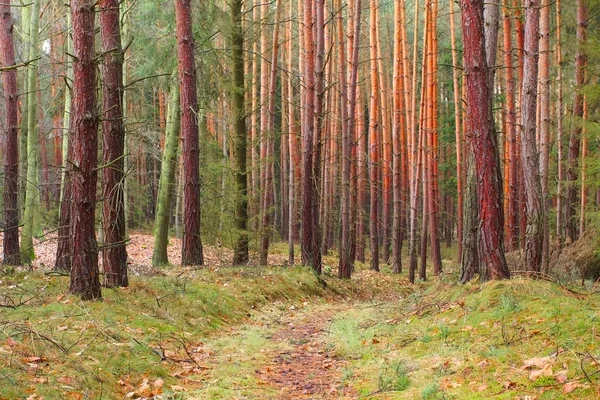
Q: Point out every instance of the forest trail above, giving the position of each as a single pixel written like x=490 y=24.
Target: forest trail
x=295 y=359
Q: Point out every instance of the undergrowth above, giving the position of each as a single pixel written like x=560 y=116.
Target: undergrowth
x=55 y=346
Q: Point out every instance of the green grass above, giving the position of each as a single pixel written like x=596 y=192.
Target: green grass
x=54 y=344
x=433 y=340
x=471 y=342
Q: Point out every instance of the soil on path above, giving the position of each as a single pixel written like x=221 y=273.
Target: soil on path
x=303 y=366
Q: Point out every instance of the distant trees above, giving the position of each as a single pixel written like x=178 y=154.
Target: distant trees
x=320 y=135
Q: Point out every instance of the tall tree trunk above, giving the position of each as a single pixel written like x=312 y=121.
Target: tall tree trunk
x=267 y=128
x=544 y=124
x=240 y=255
x=529 y=151
x=114 y=255
x=63 y=249
x=559 y=130
x=84 y=273
x=374 y=125
x=192 y=253
x=348 y=127
x=511 y=136
x=293 y=145
x=254 y=188
x=319 y=38
x=457 y=135
x=11 y=254
x=575 y=138
x=32 y=190
x=308 y=183
x=482 y=140
x=167 y=179
x=398 y=137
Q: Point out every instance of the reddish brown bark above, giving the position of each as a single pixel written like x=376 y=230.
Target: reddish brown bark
x=374 y=126
x=114 y=255
x=511 y=136
x=11 y=254
x=482 y=139
x=457 y=135
x=308 y=183
x=84 y=272
x=398 y=138
x=191 y=252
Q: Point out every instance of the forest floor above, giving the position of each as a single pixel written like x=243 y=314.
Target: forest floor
x=282 y=333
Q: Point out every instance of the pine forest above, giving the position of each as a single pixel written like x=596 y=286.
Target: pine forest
x=299 y=199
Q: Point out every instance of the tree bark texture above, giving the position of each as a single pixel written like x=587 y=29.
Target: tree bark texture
x=114 y=254
x=11 y=255
x=482 y=140
x=167 y=179
x=84 y=272
x=238 y=110
x=191 y=252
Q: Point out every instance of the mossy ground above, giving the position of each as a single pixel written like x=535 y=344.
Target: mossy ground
x=205 y=333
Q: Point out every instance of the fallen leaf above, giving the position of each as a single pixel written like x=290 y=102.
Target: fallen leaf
x=545 y=371
x=571 y=386
x=158 y=383
x=537 y=362
x=177 y=388
x=561 y=376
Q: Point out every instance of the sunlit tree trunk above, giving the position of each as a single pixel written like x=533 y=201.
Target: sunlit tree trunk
x=11 y=255
x=457 y=134
x=374 y=127
x=308 y=182
x=398 y=137
x=191 y=244
x=510 y=133
x=84 y=272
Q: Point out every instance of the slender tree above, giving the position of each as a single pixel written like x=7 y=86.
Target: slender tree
x=167 y=179
x=192 y=253
x=529 y=151
x=571 y=220
x=84 y=273
x=347 y=247
x=482 y=140
x=240 y=255
x=11 y=254
x=32 y=190
x=114 y=255
x=308 y=183
x=374 y=121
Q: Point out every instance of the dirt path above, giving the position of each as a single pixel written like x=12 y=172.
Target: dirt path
x=303 y=367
